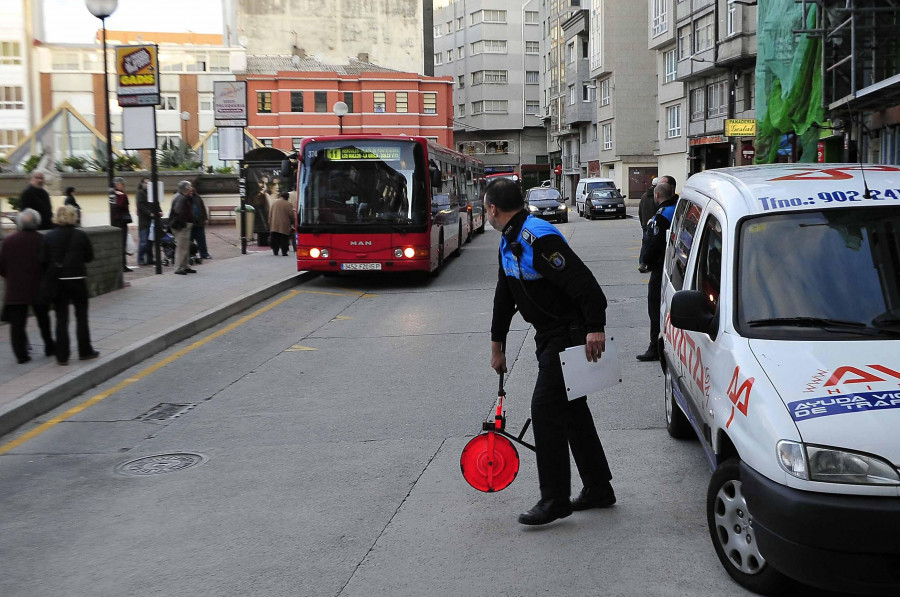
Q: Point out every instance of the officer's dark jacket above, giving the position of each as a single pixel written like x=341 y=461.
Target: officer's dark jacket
x=653 y=246
x=555 y=288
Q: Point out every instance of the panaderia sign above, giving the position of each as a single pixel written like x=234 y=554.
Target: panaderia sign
x=137 y=75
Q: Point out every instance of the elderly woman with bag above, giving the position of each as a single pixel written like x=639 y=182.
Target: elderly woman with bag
x=64 y=254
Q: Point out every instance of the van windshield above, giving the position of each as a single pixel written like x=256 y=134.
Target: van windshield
x=822 y=274
x=605 y=184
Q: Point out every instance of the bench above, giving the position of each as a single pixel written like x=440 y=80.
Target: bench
x=221 y=213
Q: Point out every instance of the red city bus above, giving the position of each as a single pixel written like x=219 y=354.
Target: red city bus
x=380 y=203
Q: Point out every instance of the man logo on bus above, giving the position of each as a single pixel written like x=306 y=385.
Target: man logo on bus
x=360 y=243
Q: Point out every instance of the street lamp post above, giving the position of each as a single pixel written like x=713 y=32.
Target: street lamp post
x=102 y=9
x=340 y=110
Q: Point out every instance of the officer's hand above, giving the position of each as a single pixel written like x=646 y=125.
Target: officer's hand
x=498 y=362
x=643 y=268
x=594 y=346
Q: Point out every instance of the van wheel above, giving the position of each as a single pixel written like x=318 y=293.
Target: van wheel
x=731 y=530
x=677 y=423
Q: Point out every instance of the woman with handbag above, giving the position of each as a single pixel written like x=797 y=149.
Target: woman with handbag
x=64 y=254
x=120 y=217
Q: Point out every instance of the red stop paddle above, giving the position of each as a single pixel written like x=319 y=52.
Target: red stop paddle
x=490 y=462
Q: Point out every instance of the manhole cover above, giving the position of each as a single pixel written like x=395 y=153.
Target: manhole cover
x=165 y=411
x=159 y=464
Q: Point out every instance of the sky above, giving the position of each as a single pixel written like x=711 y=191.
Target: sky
x=69 y=21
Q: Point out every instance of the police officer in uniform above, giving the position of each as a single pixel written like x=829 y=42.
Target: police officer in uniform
x=542 y=278
x=653 y=249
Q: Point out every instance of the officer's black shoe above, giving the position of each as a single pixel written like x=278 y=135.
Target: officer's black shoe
x=650 y=355
x=546 y=510
x=594 y=497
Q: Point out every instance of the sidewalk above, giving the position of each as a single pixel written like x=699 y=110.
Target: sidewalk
x=152 y=313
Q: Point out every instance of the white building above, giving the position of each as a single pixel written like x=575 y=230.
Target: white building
x=16 y=101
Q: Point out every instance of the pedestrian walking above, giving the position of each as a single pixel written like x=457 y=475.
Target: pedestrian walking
x=653 y=249
x=64 y=254
x=543 y=278
x=647 y=206
x=35 y=197
x=146 y=211
x=181 y=220
x=20 y=266
x=120 y=216
x=70 y=200
x=281 y=221
x=198 y=231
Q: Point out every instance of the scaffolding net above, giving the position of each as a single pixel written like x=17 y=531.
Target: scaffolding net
x=788 y=83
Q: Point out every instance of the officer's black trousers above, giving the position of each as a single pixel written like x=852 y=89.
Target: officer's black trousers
x=654 y=295
x=560 y=424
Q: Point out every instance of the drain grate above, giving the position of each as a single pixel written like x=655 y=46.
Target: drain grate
x=159 y=464
x=165 y=411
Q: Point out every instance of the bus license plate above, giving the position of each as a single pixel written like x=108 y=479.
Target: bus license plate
x=360 y=266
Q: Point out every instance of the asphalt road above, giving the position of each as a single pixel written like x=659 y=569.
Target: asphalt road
x=331 y=424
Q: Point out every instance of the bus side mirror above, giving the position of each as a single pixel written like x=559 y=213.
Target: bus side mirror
x=435 y=176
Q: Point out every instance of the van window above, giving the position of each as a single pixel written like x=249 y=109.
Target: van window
x=708 y=274
x=686 y=218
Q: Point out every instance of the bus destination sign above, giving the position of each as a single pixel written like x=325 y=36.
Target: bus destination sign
x=355 y=153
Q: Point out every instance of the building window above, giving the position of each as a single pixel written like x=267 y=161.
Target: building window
x=263 y=102
x=698 y=105
x=460 y=52
x=500 y=146
x=321 y=98
x=11 y=98
x=532 y=47
x=607 y=136
x=489 y=46
x=533 y=108
x=477 y=107
x=460 y=23
x=532 y=77
x=716 y=104
x=587 y=91
x=348 y=99
x=296 y=142
x=461 y=82
x=219 y=62
x=448 y=27
x=438 y=58
x=604 y=92
x=10 y=138
x=496 y=77
x=296 y=101
x=429 y=103
x=205 y=102
x=660 y=20
x=461 y=110
x=169 y=101
x=532 y=17
x=673 y=120
x=267 y=142
x=438 y=32
x=704 y=36
x=593 y=132
x=488 y=16
x=11 y=53
x=489 y=106
x=66 y=60
x=380 y=103
x=570 y=52
x=684 y=42
x=729 y=22
x=402 y=102
x=749 y=91
x=671 y=65
x=571 y=94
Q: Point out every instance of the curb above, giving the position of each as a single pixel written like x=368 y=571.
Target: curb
x=48 y=397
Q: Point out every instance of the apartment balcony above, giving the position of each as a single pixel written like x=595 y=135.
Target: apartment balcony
x=571 y=162
x=737 y=51
x=581 y=113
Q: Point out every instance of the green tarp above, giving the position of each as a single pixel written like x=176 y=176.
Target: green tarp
x=788 y=80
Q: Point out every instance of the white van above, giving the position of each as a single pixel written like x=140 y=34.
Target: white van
x=585 y=186
x=781 y=353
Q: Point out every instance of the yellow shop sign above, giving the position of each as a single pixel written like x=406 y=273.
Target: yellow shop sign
x=740 y=127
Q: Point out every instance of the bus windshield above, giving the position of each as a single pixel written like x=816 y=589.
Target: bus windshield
x=357 y=184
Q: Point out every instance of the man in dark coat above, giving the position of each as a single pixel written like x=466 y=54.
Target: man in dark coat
x=19 y=264
x=147 y=210
x=647 y=207
x=653 y=249
x=36 y=197
x=121 y=216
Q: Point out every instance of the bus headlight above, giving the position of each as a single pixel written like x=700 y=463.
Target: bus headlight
x=409 y=252
x=398 y=253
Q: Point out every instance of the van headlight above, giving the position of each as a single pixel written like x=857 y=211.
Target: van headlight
x=532 y=208
x=833 y=465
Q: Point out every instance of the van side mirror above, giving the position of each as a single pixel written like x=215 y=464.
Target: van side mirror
x=691 y=310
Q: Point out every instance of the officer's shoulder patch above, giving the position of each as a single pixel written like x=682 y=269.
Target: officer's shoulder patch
x=527 y=236
x=556 y=260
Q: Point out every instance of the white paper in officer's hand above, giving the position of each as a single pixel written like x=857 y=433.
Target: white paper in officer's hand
x=582 y=377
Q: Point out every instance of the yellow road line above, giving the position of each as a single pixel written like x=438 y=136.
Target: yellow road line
x=357 y=294
x=11 y=445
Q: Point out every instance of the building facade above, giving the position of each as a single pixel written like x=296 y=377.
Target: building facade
x=715 y=45
x=290 y=97
x=671 y=115
x=491 y=50
x=390 y=32
x=15 y=88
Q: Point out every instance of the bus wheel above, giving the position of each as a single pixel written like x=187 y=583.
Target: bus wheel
x=459 y=241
